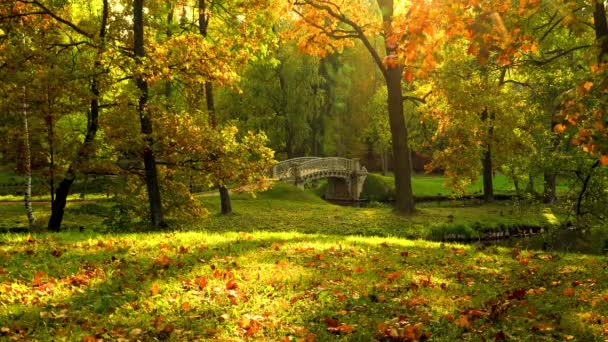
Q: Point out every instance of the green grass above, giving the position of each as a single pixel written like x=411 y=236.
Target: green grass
x=382 y=188
x=236 y=285
x=286 y=208
x=289 y=266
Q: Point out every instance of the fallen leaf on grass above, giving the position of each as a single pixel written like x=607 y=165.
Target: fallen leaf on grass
x=543 y=327
x=163 y=261
x=201 y=282
x=524 y=261
x=185 y=307
x=155 y=289
x=231 y=285
x=335 y=327
x=569 y=292
x=517 y=294
x=463 y=322
x=394 y=275
x=135 y=332
x=500 y=336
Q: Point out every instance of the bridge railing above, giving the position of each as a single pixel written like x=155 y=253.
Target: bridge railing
x=333 y=164
x=285 y=169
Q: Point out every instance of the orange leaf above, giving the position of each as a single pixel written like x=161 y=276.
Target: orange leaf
x=604 y=159
x=394 y=275
x=231 y=285
x=185 y=307
x=473 y=49
x=409 y=75
x=569 y=292
x=155 y=289
x=559 y=128
x=463 y=322
x=524 y=261
x=201 y=282
x=163 y=260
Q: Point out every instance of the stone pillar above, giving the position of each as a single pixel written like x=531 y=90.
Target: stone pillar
x=297 y=178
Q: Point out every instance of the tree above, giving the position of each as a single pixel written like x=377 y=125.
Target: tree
x=410 y=36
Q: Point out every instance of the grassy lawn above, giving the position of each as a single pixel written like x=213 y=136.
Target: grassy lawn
x=380 y=188
x=277 y=286
x=288 y=266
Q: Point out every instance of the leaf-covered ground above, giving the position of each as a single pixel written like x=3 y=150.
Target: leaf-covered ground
x=293 y=286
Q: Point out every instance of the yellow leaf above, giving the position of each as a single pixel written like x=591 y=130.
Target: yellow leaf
x=155 y=289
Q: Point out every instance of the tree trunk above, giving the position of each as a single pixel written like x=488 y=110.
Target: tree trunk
x=85 y=186
x=601 y=29
x=63 y=189
x=531 y=188
x=384 y=161
x=393 y=76
x=579 y=201
x=225 y=201
x=28 y=165
x=486 y=162
x=61 y=196
x=151 y=174
x=203 y=21
x=550 y=183
x=488 y=188
x=401 y=151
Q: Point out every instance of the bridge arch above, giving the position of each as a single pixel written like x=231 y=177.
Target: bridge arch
x=345 y=176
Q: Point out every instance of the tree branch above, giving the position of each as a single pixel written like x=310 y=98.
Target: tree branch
x=417 y=99
x=58 y=18
x=343 y=19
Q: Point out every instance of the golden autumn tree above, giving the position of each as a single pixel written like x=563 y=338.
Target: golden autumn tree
x=403 y=38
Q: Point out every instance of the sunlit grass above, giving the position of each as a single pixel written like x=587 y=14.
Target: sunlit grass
x=274 y=285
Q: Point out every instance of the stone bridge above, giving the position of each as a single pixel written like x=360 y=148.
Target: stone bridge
x=345 y=176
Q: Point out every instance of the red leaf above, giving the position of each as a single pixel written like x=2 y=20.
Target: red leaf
x=463 y=322
x=517 y=294
x=359 y=270
x=394 y=275
x=201 y=282
x=163 y=261
x=231 y=285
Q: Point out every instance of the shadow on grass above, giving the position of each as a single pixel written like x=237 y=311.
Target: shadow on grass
x=288 y=284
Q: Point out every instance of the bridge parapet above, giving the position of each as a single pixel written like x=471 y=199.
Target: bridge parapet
x=346 y=176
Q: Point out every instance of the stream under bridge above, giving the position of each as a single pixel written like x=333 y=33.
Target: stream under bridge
x=345 y=177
